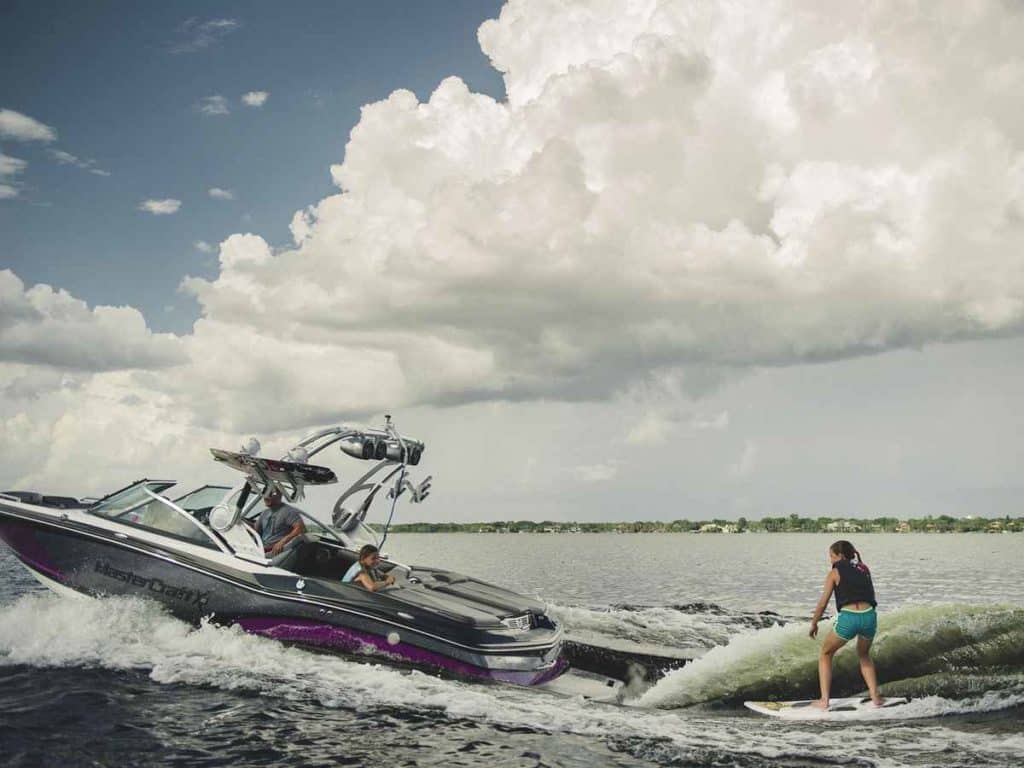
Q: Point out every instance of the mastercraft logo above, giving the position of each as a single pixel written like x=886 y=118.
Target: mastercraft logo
x=154 y=585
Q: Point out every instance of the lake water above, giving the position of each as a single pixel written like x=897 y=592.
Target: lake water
x=117 y=682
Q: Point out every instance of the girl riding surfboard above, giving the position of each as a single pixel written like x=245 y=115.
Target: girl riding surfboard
x=850 y=581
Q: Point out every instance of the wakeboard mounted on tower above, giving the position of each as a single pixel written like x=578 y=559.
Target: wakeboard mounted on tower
x=393 y=452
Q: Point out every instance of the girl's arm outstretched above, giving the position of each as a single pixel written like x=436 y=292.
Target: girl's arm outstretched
x=826 y=594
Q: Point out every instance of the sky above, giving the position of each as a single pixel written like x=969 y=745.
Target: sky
x=610 y=260
x=124 y=86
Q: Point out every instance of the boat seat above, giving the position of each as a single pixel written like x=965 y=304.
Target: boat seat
x=322 y=561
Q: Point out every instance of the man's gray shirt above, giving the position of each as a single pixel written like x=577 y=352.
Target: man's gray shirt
x=276 y=522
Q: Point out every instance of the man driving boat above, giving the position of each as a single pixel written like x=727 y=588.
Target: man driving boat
x=280 y=528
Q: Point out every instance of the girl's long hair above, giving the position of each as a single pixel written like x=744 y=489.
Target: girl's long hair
x=843 y=548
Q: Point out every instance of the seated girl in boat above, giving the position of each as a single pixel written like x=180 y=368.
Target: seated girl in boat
x=366 y=571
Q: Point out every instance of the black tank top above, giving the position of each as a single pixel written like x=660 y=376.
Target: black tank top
x=854 y=585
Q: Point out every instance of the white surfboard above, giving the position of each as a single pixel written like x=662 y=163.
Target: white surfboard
x=857 y=707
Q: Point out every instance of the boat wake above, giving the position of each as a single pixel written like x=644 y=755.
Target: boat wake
x=672 y=629
x=639 y=644
x=131 y=635
x=952 y=650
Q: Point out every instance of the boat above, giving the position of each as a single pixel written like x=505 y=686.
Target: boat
x=198 y=554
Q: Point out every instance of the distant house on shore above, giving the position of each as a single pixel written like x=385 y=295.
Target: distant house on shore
x=843 y=526
x=715 y=528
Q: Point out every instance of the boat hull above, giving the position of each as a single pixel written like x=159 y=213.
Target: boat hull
x=66 y=555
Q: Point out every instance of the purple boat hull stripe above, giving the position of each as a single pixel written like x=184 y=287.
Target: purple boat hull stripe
x=21 y=538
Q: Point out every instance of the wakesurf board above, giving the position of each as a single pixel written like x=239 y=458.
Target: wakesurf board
x=854 y=707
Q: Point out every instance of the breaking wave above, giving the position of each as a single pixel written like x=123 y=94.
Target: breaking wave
x=954 y=650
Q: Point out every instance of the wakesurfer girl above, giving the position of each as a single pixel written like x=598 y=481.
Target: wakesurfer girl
x=850 y=580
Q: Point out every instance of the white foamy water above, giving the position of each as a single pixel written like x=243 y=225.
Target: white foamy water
x=41 y=630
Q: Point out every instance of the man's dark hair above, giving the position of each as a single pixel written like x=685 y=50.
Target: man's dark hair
x=368 y=549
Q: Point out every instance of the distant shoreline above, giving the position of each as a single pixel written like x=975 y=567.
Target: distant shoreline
x=792 y=524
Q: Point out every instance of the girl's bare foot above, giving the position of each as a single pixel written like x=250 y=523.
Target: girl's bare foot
x=878 y=701
x=819 y=704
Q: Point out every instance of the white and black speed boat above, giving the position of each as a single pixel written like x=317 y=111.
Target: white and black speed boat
x=195 y=553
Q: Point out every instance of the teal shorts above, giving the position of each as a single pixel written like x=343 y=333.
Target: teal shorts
x=851 y=623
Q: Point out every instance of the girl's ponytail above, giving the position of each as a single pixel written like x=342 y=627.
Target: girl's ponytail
x=847 y=550
x=860 y=562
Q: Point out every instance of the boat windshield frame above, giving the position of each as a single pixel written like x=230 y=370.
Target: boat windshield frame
x=149 y=495
x=104 y=502
x=224 y=490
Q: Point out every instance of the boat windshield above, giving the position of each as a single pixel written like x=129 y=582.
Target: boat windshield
x=202 y=498
x=142 y=506
x=118 y=503
x=317 y=528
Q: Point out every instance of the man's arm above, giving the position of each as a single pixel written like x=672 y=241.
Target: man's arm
x=297 y=530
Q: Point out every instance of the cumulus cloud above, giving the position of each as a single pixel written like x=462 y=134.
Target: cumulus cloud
x=714 y=422
x=831 y=191
x=11 y=166
x=66 y=158
x=255 y=98
x=41 y=326
x=670 y=190
x=596 y=473
x=214 y=105
x=650 y=430
x=221 y=194
x=657 y=427
x=19 y=127
x=53 y=439
x=747 y=461
x=195 y=35
x=164 y=207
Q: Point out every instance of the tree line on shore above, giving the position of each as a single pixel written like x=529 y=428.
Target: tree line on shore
x=792 y=524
